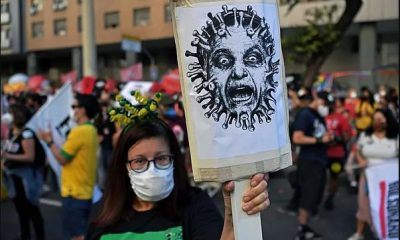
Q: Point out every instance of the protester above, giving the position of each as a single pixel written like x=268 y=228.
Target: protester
x=339 y=127
x=23 y=174
x=78 y=157
x=106 y=130
x=148 y=195
x=310 y=133
x=377 y=145
x=364 y=110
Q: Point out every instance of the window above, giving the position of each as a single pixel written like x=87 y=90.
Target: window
x=5 y=13
x=141 y=16
x=167 y=13
x=60 y=27
x=36 y=6
x=5 y=7
x=111 y=20
x=79 y=23
x=37 y=30
x=5 y=38
x=59 y=5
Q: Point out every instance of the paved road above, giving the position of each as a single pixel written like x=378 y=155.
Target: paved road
x=334 y=225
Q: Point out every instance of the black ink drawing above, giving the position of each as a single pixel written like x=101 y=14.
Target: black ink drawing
x=233 y=74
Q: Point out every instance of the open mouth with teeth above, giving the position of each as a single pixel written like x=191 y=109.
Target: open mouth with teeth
x=240 y=94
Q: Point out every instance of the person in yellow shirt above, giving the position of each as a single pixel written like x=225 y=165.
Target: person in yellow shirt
x=78 y=157
x=364 y=110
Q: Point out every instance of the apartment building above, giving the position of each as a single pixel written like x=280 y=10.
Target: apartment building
x=53 y=36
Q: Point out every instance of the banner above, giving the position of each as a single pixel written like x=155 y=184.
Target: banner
x=55 y=114
x=232 y=78
x=383 y=191
x=132 y=73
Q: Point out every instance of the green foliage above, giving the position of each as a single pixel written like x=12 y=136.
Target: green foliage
x=314 y=38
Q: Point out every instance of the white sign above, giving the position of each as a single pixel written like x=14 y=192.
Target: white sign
x=55 y=114
x=383 y=192
x=234 y=89
x=131 y=45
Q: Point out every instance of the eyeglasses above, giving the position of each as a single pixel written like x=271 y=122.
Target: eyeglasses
x=73 y=106
x=140 y=165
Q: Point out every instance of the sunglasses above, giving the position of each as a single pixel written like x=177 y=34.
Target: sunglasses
x=75 y=106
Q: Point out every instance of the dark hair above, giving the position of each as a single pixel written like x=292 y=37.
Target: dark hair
x=37 y=98
x=89 y=103
x=21 y=114
x=118 y=195
x=392 y=127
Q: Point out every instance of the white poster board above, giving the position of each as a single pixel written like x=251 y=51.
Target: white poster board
x=55 y=114
x=383 y=192
x=233 y=85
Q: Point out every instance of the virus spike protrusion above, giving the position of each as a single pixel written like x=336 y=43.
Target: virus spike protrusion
x=229 y=117
x=218 y=113
x=211 y=86
x=245 y=121
x=211 y=24
x=205 y=32
x=200 y=99
x=196 y=43
x=249 y=8
x=234 y=17
x=209 y=103
x=198 y=35
x=241 y=18
x=213 y=108
x=194 y=72
x=194 y=66
x=265 y=113
x=198 y=88
x=225 y=8
x=238 y=124
x=253 y=14
x=190 y=54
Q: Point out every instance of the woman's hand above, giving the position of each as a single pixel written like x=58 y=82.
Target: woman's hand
x=255 y=199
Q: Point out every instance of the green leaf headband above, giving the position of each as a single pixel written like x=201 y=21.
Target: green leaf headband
x=127 y=113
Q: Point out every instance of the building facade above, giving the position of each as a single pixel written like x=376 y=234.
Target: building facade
x=52 y=30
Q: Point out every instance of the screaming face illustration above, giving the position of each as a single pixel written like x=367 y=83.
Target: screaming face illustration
x=233 y=74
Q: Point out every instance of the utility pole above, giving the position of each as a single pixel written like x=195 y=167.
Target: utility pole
x=89 y=39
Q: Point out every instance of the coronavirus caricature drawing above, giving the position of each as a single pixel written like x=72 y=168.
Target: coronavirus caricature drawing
x=233 y=68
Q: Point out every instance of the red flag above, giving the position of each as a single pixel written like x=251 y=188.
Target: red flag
x=87 y=84
x=69 y=77
x=132 y=73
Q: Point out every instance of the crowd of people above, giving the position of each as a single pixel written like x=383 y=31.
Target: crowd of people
x=338 y=134
x=143 y=168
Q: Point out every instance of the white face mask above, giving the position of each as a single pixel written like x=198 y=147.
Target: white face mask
x=323 y=110
x=153 y=184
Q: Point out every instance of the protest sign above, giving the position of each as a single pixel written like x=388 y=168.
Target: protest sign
x=55 y=114
x=383 y=192
x=234 y=93
x=233 y=84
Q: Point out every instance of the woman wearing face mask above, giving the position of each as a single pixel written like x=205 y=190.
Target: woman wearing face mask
x=22 y=176
x=148 y=196
x=378 y=144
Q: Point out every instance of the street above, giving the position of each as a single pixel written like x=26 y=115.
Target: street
x=338 y=224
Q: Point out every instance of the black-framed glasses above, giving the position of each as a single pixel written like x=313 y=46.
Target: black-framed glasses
x=161 y=162
x=73 y=106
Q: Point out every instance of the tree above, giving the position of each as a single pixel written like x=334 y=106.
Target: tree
x=313 y=44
